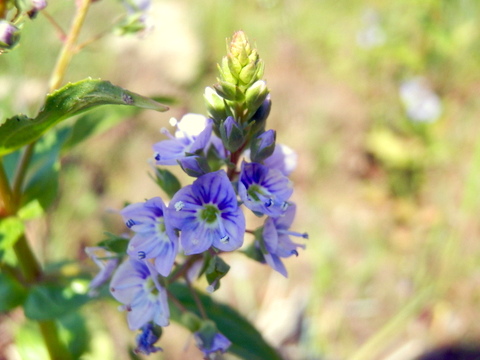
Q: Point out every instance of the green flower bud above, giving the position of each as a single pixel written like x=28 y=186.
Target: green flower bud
x=255 y=96
x=229 y=91
x=215 y=105
x=191 y=321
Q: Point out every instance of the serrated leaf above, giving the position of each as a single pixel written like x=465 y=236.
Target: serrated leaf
x=48 y=301
x=12 y=293
x=247 y=342
x=70 y=100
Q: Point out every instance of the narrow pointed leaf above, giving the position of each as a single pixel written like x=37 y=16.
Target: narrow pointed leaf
x=70 y=100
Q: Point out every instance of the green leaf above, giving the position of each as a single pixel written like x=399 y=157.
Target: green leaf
x=48 y=301
x=12 y=293
x=114 y=243
x=167 y=181
x=70 y=100
x=74 y=333
x=41 y=183
x=11 y=228
x=247 y=342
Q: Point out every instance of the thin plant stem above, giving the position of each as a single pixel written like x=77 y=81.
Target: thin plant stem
x=5 y=192
x=67 y=52
x=58 y=28
x=20 y=174
x=196 y=299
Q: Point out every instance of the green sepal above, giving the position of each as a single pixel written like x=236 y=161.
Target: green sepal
x=12 y=293
x=191 y=321
x=217 y=268
x=229 y=91
x=167 y=181
x=70 y=100
x=114 y=243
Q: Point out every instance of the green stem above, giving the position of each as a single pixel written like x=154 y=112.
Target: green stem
x=68 y=49
x=5 y=191
x=21 y=173
x=196 y=298
x=56 y=349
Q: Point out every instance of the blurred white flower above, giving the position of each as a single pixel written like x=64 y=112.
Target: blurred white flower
x=372 y=34
x=420 y=102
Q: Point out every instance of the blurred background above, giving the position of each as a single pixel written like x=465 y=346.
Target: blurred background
x=380 y=99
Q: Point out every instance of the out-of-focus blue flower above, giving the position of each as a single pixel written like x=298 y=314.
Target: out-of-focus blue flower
x=263 y=190
x=283 y=159
x=136 y=6
x=9 y=34
x=146 y=340
x=276 y=235
x=421 y=103
x=106 y=261
x=192 y=136
x=135 y=285
x=207 y=214
x=219 y=343
x=154 y=238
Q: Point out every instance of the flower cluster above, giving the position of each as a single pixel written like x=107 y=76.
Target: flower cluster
x=239 y=171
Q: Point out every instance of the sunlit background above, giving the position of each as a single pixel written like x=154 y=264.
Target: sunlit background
x=380 y=99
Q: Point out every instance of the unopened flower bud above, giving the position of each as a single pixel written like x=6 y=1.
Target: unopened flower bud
x=9 y=35
x=260 y=117
x=232 y=134
x=191 y=321
x=215 y=105
x=263 y=146
x=194 y=165
x=255 y=96
x=229 y=91
x=37 y=5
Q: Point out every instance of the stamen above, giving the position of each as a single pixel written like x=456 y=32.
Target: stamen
x=225 y=239
x=179 y=205
x=157 y=156
x=269 y=203
x=285 y=205
x=295 y=252
x=292 y=233
x=141 y=255
x=130 y=223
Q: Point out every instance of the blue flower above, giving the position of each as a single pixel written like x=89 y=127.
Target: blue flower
x=135 y=285
x=276 y=237
x=146 y=340
x=283 y=159
x=154 y=238
x=192 y=136
x=207 y=214
x=264 y=190
x=219 y=343
x=106 y=261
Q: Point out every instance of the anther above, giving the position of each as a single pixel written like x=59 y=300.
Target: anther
x=285 y=205
x=269 y=203
x=225 y=239
x=157 y=156
x=130 y=223
x=179 y=205
x=141 y=255
x=295 y=252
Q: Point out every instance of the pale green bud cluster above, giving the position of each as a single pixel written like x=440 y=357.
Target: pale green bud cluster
x=240 y=90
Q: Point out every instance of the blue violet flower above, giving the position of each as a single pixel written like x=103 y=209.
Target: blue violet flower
x=154 y=238
x=276 y=235
x=187 y=140
x=135 y=285
x=207 y=214
x=264 y=190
